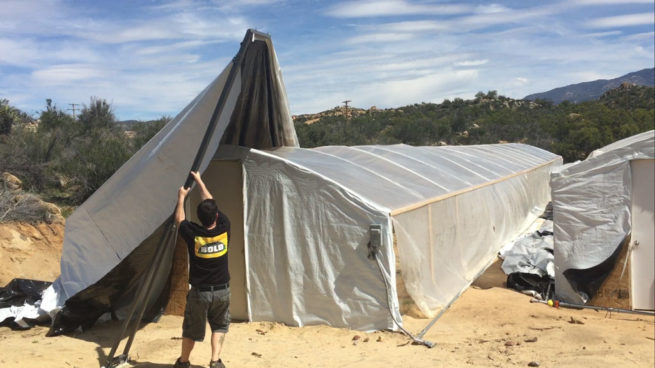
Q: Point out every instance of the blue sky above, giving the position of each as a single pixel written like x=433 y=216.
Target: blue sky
x=151 y=58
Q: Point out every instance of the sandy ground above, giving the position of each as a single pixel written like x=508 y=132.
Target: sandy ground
x=488 y=326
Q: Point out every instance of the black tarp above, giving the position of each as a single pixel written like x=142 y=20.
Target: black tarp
x=114 y=292
x=19 y=292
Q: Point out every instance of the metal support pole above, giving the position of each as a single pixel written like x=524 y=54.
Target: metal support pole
x=142 y=296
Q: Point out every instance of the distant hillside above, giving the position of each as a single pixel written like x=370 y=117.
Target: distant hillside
x=571 y=130
x=588 y=91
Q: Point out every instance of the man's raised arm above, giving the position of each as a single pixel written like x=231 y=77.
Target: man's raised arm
x=204 y=193
x=179 y=210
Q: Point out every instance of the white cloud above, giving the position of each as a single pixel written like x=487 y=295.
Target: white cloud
x=393 y=91
x=610 y=2
x=379 y=37
x=17 y=52
x=472 y=62
x=28 y=52
x=502 y=15
x=602 y=34
x=34 y=9
x=174 y=47
x=646 y=36
x=375 y=8
x=66 y=74
x=170 y=28
x=431 y=62
x=623 y=20
x=588 y=75
x=409 y=26
x=491 y=9
x=431 y=87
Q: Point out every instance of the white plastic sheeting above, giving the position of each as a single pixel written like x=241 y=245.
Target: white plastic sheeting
x=452 y=208
x=306 y=244
x=444 y=245
x=21 y=313
x=591 y=209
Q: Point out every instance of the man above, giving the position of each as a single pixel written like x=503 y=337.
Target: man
x=209 y=297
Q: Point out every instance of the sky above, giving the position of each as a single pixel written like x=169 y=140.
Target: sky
x=149 y=59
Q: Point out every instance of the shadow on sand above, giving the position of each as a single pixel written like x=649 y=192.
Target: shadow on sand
x=104 y=334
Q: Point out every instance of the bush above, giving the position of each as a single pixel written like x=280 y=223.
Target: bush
x=66 y=159
x=10 y=116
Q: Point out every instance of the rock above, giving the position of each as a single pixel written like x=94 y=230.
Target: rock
x=27 y=207
x=533 y=339
x=575 y=321
x=533 y=364
x=11 y=182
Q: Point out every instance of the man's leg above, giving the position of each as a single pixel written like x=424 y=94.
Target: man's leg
x=187 y=346
x=217 y=344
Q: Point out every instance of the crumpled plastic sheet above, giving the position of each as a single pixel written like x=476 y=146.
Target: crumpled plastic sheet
x=20 y=302
x=532 y=253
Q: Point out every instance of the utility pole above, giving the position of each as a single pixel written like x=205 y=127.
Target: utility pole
x=346 y=113
x=73 y=109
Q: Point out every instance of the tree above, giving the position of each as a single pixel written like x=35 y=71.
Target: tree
x=10 y=116
x=53 y=118
x=146 y=130
x=97 y=115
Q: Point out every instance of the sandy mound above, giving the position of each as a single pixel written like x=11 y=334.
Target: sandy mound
x=30 y=251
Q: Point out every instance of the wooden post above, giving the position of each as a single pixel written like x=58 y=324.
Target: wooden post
x=179 y=279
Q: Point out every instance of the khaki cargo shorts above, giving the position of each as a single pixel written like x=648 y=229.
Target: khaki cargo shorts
x=203 y=307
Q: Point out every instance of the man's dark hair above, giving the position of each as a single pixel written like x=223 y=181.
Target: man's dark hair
x=207 y=211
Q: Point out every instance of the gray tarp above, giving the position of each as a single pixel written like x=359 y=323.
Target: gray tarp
x=128 y=210
x=533 y=253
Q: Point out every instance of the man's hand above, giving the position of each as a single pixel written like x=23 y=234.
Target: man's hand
x=182 y=192
x=204 y=193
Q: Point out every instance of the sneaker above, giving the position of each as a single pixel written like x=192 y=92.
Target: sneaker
x=217 y=364
x=179 y=364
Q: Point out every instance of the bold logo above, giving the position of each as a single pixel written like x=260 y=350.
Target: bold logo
x=211 y=247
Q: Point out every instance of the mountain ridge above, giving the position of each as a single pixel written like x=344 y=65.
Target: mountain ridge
x=593 y=90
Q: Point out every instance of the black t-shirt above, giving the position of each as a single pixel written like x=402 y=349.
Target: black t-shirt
x=207 y=251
